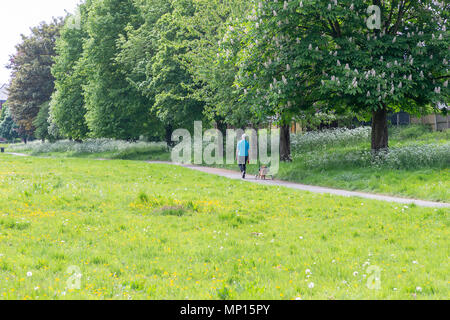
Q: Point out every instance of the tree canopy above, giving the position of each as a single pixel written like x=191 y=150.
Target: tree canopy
x=298 y=55
x=130 y=68
x=32 y=82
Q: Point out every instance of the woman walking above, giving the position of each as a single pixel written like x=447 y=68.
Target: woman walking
x=242 y=154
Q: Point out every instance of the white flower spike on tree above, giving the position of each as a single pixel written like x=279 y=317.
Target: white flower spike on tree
x=404 y=45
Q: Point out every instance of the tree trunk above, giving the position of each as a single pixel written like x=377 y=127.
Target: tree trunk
x=285 y=143
x=168 y=136
x=380 y=138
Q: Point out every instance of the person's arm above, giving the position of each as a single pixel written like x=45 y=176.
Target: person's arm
x=248 y=152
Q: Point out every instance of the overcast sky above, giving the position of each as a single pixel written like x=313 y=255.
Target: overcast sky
x=16 y=18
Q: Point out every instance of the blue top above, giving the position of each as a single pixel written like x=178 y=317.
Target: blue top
x=243 y=147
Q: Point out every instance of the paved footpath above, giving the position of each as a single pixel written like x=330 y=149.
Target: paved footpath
x=251 y=179
x=236 y=175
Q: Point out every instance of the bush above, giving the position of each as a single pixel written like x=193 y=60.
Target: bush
x=407 y=157
x=409 y=132
x=315 y=140
x=88 y=147
x=314 y=149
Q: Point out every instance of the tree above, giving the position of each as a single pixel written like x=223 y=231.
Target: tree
x=213 y=80
x=171 y=83
x=298 y=55
x=41 y=123
x=32 y=81
x=137 y=48
x=8 y=128
x=115 y=109
x=67 y=107
x=156 y=50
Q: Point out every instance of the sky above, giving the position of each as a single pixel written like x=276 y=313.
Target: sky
x=18 y=16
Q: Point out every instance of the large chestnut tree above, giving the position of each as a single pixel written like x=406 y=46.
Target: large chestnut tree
x=341 y=55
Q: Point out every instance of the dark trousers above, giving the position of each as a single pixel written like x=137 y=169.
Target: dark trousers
x=242 y=161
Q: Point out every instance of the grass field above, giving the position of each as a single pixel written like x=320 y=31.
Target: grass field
x=340 y=161
x=140 y=231
x=418 y=165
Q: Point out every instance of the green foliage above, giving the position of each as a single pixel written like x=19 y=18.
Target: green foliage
x=410 y=132
x=416 y=165
x=152 y=55
x=214 y=79
x=8 y=128
x=115 y=109
x=320 y=140
x=316 y=54
x=32 y=82
x=97 y=148
x=406 y=157
x=68 y=105
x=41 y=122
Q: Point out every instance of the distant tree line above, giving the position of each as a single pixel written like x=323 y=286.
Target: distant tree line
x=127 y=69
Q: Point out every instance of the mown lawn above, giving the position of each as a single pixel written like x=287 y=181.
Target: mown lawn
x=141 y=231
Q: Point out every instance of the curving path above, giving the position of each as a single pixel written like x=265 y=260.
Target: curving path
x=251 y=179
x=235 y=175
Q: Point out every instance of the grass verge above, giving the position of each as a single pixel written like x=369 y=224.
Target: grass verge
x=140 y=231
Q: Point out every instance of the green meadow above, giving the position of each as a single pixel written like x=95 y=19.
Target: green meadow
x=417 y=166
x=134 y=230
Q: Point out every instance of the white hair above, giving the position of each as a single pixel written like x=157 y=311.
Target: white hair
x=244 y=136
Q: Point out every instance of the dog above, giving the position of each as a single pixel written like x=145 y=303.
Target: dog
x=262 y=173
